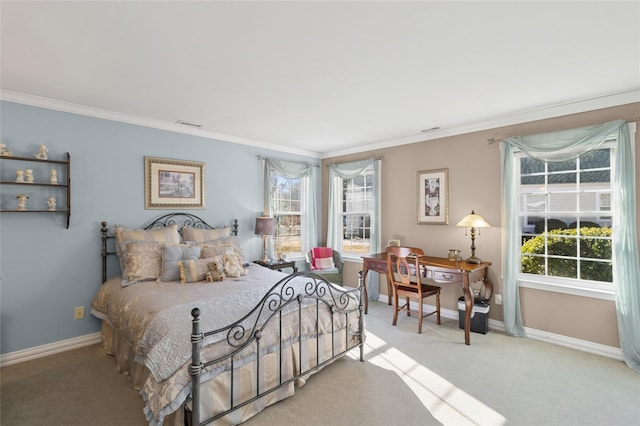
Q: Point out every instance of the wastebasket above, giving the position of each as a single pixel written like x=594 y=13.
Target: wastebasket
x=479 y=315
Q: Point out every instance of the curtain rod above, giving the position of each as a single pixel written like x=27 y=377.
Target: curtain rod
x=493 y=140
x=352 y=161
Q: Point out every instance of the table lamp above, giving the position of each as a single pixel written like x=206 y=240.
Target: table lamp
x=265 y=226
x=473 y=221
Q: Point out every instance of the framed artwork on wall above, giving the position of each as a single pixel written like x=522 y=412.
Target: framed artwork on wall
x=393 y=243
x=173 y=183
x=433 y=197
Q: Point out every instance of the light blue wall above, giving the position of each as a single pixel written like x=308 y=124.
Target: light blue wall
x=47 y=270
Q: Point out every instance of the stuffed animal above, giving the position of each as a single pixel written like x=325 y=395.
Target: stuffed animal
x=232 y=265
x=216 y=272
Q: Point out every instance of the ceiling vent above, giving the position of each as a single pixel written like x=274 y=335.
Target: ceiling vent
x=186 y=123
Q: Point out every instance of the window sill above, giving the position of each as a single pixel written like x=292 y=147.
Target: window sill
x=568 y=288
x=352 y=258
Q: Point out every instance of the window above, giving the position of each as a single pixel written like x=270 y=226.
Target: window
x=286 y=205
x=566 y=219
x=357 y=207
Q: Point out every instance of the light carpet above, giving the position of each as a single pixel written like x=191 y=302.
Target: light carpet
x=407 y=379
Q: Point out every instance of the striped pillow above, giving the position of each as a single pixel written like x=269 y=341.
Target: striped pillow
x=167 y=234
x=194 y=270
x=199 y=235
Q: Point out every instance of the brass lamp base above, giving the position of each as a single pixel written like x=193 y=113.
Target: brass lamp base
x=474 y=260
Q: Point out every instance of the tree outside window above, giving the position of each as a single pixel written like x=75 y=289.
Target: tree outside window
x=566 y=217
x=357 y=207
x=286 y=201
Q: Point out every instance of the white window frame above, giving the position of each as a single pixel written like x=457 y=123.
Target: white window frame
x=304 y=187
x=342 y=214
x=580 y=287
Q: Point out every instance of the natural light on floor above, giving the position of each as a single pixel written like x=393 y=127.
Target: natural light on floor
x=446 y=403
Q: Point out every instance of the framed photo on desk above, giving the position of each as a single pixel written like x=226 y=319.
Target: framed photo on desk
x=433 y=197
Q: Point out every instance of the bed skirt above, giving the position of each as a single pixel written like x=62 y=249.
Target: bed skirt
x=214 y=392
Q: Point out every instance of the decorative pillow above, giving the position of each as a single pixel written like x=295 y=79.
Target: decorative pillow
x=207 y=250
x=233 y=242
x=194 y=270
x=167 y=234
x=233 y=265
x=322 y=258
x=199 y=235
x=171 y=254
x=142 y=261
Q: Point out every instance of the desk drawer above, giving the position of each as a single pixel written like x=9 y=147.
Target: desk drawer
x=444 y=276
x=378 y=267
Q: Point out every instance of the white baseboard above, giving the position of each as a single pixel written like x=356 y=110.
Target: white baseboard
x=570 y=342
x=49 y=349
x=544 y=336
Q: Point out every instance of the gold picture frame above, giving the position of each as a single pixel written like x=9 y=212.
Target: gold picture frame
x=433 y=197
x=173 y=183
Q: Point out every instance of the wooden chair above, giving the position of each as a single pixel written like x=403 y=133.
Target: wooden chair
x=404 y=273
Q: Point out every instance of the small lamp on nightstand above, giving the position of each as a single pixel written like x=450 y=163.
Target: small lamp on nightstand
x=473 y=221
x=265 y=226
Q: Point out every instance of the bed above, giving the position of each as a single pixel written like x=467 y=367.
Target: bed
x=217 y=352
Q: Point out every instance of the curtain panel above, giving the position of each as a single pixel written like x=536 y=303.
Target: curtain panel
x=562 y=146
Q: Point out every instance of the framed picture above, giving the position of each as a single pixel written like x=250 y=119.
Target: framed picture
x=173 y=183
x=433 y=197
x=393 y=243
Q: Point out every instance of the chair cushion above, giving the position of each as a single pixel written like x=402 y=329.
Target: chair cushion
x=322 y=258
x=327 y=271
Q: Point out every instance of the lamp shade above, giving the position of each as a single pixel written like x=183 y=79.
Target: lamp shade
x=473 y=220
x=265 y=225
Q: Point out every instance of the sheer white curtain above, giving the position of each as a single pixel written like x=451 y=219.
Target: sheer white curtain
x=338 y=173
x=309 y=174
x=562 y=146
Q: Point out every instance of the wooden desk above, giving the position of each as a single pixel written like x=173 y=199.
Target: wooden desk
x=441 y=270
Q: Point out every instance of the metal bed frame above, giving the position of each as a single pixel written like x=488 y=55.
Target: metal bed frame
x=246 y=332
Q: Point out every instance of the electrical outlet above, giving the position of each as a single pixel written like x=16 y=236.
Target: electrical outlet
x=78 y=312
x=498 y=299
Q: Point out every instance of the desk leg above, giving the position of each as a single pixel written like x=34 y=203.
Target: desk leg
x=488 y=286
x=468 y=301
x=365 y=270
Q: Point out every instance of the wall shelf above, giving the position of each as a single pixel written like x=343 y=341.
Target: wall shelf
x=66 y=187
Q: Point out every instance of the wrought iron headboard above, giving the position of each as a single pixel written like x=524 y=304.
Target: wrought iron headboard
x=181 y=219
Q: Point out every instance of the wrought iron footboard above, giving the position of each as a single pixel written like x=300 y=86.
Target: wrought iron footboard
x=281 y=299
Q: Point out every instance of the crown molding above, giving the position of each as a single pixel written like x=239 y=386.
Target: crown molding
x=542 y=113
x=53 y=104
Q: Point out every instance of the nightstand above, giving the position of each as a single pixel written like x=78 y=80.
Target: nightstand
x=278 y=265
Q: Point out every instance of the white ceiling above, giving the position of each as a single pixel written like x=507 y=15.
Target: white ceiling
x=322 y=78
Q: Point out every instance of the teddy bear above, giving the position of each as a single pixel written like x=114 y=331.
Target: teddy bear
x=232 y=265
x=216 y=272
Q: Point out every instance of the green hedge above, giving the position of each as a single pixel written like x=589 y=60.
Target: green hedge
x=562 y=242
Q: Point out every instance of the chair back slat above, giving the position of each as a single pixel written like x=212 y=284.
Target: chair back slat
x=405 y=274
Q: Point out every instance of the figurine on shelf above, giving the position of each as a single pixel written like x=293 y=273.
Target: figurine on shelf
x=54 y=177
x=22 y=201
x=4 y=150
x=51 y=203
x=19 y=176
x=28 y=174
x=42 y=153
